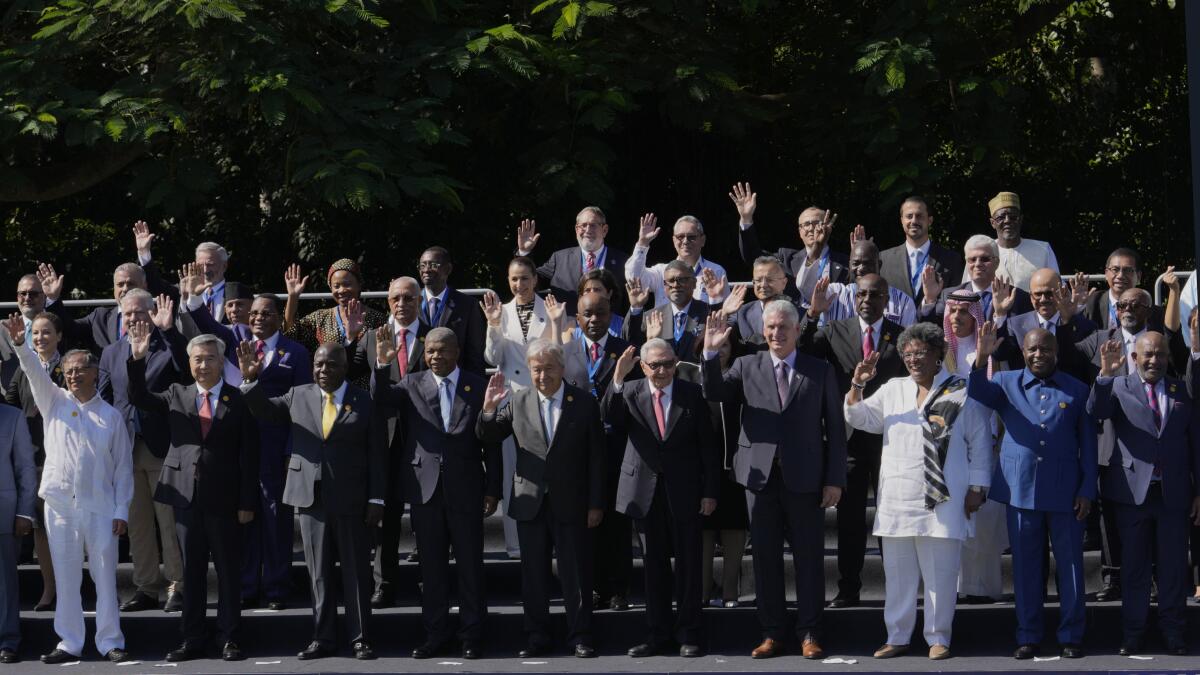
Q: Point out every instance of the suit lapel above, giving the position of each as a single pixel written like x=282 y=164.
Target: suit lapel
x=564 y=416
x=191 y=403
x=459 y=408
x=675 y=413
x=316 y=404
x=645 y=408
x=1141 y=414
x=428 y=388
x=533 y=412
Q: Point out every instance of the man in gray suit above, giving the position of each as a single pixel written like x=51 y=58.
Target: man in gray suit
x=791 y=458
x=337 y=479
x=18 y=487
x=557 y=493
x=451 y=491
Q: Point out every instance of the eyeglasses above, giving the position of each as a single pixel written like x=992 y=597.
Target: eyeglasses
x=685 y=237
x=403 y=298
x=1127 y=306
x=1041 y=294
x=810 y=224
x=432 y=265
x=588 y=226
x=678 y=281
x=659 y=365
x=1121 y=271
x=28 y=294
x=979 y=259
x=763 y=281
x=1006 y=217
x=915 y=355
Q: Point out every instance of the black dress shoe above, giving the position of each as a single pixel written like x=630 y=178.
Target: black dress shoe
x=363 y=651
x=117 y=655
x=174 y=602
x=1129 y=648
x=471 y=650
x=427 y=651
x=690 y=651
x=8 y=656
x=45 y=606
x=647 y=649
x=1025 y=652
x=618 y=603
x=1109 y=593
x=249 y=603
x=842 y=601
x=140 y=602
x=533 y=650
x=583 y=651
x=58 y=656
x=185 y=653
x=276 y=605
x=977 y=600
x=231 y=652
x=1177 y=647
x=599 y=602
x=314 y=651
x=415 y=556
x=1070 y=651
x=381 y=598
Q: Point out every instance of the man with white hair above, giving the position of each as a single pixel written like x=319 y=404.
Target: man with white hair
x=982 y=256
x=558 y=490
x=87 y=484
x=688 y=238
x=211 y=259
x=566 y=266
x=166 y=364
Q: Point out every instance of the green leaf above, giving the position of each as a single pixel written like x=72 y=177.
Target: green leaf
x=53 y=28
x=543 y=5
x=570 y=13
x=894 y=73
x=47 y=118
x=114 y=127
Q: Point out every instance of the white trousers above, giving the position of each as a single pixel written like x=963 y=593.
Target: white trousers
x=508 y=453
x=981 y=569
x=72 y=532
x=908 y=562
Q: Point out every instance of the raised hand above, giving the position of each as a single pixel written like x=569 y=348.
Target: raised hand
x=1194 y=329
x=819 y=304
x=713 y=285
x=249 y=362
x=527 y=236
x=1112 y=358
x=164 y=312
x=143 y=239
x=555 y=309
x=648 y=229
x=1171 y=280
x=625 y=364
x=1003 y=297
x=191 y=281
x=52 y=284
x=1064 y=298
x=986 y=343
x=859 y=233
x=353 y=315
x=931 y=284
x=385 y=345
x=492 y=309
x=495 y=393
x=716 y=332
x=864 y=372
x=294 y=281
x=654 y=323
x=737 y=297
x=826 y=226
x=746 y=201
x=637 y=294
x=16 y=328
x=1079 y=289
x=138 y=333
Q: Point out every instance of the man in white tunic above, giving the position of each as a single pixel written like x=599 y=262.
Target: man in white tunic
x=87 y=484
x=936 y=450
x=1019 y=257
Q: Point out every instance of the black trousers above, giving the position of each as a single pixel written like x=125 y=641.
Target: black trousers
x=613 y=558
x=665 y=535
x=437 y=529
x=387 y=539
x=1153 y=537
x=573 y=544
x=862 y=474
x=202 y=535
x=1110 y=542
x=322 y=533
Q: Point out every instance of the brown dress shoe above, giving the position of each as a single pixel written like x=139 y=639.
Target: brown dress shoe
x=768 y=649
x=812 y=649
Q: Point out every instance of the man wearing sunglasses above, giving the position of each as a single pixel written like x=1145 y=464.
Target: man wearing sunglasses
x=1020 y=257
x=688 y=238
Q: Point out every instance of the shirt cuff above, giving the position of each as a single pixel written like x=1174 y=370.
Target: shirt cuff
x=524 y=254
x=638 y=249
x=194 y=302
x=376 y=501
x=981 y=478
x=121 y=513
x=22 y=515
x=708 y=356
x=635 y=311
x=616 y=386
x=143 y=260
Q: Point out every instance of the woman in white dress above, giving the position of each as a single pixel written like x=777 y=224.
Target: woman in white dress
x=510 y=328
x=936 y=465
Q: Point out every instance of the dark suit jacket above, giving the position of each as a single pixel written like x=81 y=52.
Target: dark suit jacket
x=571 y=468
x=792 y=258
x=1071 y=360
x=166 y=364
x=1096 y=309
x=363 y=360
x=689 y=344
x=466 y=469
x=807 y=432
x=1021 y=304
x=840 y=343
x=94 y=332
x=1140 y=443
x=575 y=370
x=352 y=464
x=217 y=474
x=687 y=458
x=463 y=316
x=893 y=266
x=1088 y=350
x=565 y=267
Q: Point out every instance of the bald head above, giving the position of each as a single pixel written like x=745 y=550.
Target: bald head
x=1151 y=356
x=441 y=351
x=404 y=300
x=1043 y=286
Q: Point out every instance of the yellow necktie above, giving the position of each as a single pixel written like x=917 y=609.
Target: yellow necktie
x=328 y=415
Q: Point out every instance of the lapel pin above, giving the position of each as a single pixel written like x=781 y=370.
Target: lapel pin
x=570 y=398
x=612 y=356
x=280 y=352
x=74 y=413
x=1172 y=389
x=467 y=387
x=1063 y=405
x=887 y=337
x=225 y=398
x=347 y=407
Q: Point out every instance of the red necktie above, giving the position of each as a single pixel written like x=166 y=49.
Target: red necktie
x=260 y=347
x=868 y=343
x=658 y=415
x=206 y=417
x=595 y=351
x=402 y=352
x=591 y=262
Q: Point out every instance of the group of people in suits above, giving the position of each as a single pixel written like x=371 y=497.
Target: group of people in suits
x=983 y=400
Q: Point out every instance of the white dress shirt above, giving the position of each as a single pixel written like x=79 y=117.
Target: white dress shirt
x=550 y=410
x=842 y=304
x=652 y=277
x=89 y=455
x=214 y=396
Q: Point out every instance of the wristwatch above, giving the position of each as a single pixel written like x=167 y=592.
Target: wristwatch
x=978 y=489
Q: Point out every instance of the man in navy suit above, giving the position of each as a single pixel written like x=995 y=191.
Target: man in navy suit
x=445 y=306
x=669 y=478
x=166 y=364
x=1047 y=477
x=450 y=489
x=791 y=459
x=1151 y=482
x=565 y=266
x=103 y=325
x=770 y=282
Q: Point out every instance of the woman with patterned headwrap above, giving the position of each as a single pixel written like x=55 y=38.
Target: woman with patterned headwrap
x=343 y=323
x=936 y=461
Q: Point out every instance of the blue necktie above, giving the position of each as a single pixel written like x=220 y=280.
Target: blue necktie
x=445 y=402
x=986 y=299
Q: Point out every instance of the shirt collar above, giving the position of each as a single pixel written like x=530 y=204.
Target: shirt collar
x=556 y=398
x=923 y=248
x=453 y=377
x=1158 y=386
x=1130 y=337
x=1053 y=321
x=790 y=359
x=1028 y=379
x=339 y=394
x=666 y=390
x=440 y=296
x=411 y=328
x=588 y=342
x=679 y=310
x=215 y=391
x=875 y=327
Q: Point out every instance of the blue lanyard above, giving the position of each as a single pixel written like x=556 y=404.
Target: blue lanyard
x=593 y=366
x=918 y=268
x=823 y=263
x=437 y=317
x=599 y=259
x=337 y=316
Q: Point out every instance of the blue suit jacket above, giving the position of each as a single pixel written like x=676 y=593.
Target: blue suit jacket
x=1048 y=456
x=1140 y=443
x=166 y=364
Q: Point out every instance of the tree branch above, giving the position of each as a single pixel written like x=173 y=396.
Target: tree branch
x=68 y=177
